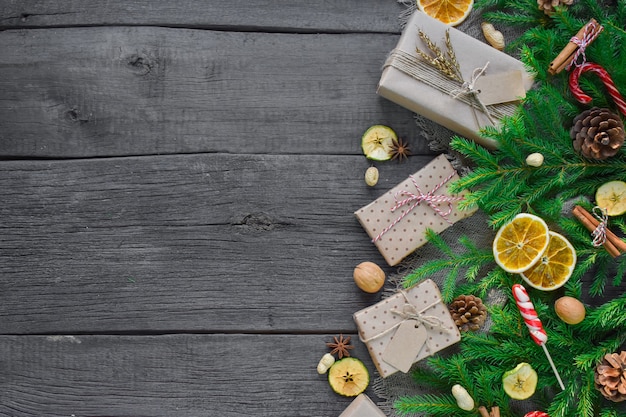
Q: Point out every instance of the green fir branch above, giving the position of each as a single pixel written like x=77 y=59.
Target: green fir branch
x=472 y=260
x=609 y=316
x=427 y=377
x=443 y=405
x=588 y=359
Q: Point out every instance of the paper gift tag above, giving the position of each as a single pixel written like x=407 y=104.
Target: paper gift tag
x=406 y=344
x=499 y=88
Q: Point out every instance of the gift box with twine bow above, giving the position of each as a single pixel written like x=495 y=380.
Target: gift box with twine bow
x=406 y=327
x=397 y=221
x=466 y=86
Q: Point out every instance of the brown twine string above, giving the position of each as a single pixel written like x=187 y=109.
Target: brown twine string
x=423 y=72
x=409 y=312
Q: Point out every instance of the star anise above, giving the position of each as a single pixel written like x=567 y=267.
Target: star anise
x=400 y=150
x=341 y=346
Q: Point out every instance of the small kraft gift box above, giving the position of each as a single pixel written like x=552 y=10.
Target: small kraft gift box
x=397 y=221
x=480 y=86
x=406 y=327
x=362 y=406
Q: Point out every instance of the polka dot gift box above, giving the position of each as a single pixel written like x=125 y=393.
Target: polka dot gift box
x=406 y=327
x=397 y=221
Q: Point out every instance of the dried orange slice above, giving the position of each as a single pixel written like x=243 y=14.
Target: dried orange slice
x=519 y=244
x=612 y=197
x=450 y=12
x=555 y=266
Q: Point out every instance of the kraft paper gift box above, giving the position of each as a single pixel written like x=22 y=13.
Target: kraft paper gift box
x=406 y=327
x=362 y=406
x=397 y=221
x=410 y=82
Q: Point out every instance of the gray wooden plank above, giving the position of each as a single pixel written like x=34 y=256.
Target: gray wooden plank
x=171 y=375
x=85 y=92
x=275 y=15
x=211 y=242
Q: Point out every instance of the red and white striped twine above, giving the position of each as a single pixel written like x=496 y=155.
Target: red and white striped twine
x=589 y=36
x=416 y=199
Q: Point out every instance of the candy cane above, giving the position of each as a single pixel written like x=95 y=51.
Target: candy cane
x=536 y=414
x=606 y=79
x=539 y=335
x=527 y=310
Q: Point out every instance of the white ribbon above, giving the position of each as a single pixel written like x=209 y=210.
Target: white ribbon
x=467 y=88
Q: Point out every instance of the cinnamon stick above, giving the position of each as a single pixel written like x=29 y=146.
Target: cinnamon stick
x=495 y=411
x=591 y=223
x=567 y=54
x=612 y=237
x=483 y=411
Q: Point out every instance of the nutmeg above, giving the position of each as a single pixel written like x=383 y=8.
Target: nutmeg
x=369 y=277
x=570 y=310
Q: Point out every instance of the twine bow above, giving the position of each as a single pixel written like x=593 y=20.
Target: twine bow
x=591 y=33
x=416 y=198
x=467 y=88
x=410 y=312
x=599 y=233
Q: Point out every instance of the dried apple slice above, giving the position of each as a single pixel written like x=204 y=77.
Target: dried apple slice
x=520 y=382
x=611 y=196
x=377 y=142
x=348 y=377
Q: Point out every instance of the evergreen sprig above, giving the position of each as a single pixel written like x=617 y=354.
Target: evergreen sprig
x=503 y=185
x=471 y=261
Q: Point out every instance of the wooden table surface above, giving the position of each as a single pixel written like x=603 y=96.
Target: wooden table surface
x=178 y=186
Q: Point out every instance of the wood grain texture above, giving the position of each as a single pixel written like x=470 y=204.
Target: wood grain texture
x=235 y=15
x=202 y=243
x=173 y=375
x=89 y=92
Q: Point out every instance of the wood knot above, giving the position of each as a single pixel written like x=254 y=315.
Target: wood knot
x=141 y=64
x=257 y=222
x=75 y=116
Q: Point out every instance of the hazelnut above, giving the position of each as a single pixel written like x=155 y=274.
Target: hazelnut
x=369 y=277
x=570 y=310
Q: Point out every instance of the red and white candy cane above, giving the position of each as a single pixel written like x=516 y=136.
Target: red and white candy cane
x=527 y=310
x=539 y=335
x=606 y=79
x=536 y=414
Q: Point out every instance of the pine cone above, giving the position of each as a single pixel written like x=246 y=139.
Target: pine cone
x=610 y=377
x=468 y=312
x=597 y=133
x=548 y=5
